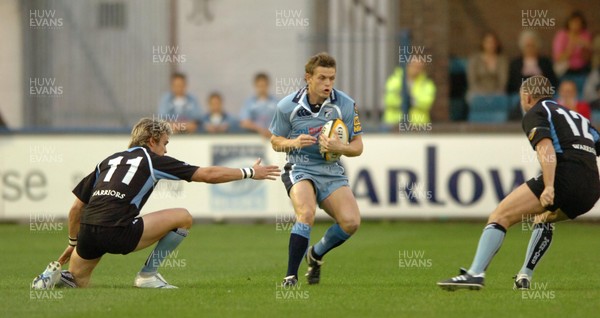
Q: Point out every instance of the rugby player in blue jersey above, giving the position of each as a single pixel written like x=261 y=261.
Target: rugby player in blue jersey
x=309 y=178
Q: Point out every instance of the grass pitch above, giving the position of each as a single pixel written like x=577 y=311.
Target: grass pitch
x=385 y=270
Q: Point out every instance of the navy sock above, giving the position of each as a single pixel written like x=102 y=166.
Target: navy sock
x=489 y=244
x=297 y=248
x=541 y=237
x=166 y=245
x=333 y=238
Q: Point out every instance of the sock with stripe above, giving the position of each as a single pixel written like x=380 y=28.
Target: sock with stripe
x=333 y=238
x=166 y=245
x=539 y=243
x=298 y=246
x=489 y=244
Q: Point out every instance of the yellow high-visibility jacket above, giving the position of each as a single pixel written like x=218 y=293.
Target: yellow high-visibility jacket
x=422 y=91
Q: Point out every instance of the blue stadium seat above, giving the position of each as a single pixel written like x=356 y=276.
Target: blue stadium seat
x=489 y=109
x=458 y=66
x=458 y=109
x=514 y=101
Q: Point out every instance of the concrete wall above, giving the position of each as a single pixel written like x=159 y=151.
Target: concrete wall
x=227 y=42
x=11 y=91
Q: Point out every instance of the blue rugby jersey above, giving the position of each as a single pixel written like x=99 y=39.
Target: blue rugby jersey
x=294 y=117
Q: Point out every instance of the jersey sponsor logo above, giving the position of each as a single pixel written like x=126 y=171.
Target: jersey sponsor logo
x=328 y=113
x=111 y=193
x=313 y=131
x=303 y=113
x=298 y=177
x=300 y=131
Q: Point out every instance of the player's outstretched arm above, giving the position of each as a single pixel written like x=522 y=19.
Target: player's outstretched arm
x=334 y=145
x=547 y=158
x=216 y=174
x=74 y=219
x=282 y=144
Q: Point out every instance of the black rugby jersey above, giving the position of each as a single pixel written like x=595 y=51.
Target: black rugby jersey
x=120 y=186
x=573 y=138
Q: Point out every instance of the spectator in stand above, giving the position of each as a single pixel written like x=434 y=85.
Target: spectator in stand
x=487 y=70
x=421 y=90
x=530 y=63
x=258 y=110
x=180 y=108
x=567 y=96
x=571 y=47
x=590 y=90
x=217 y=120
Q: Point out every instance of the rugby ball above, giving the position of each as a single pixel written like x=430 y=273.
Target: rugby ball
x=334 y=127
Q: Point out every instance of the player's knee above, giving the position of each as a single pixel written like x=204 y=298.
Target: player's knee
x=306 y=217
x=350 y=225
x=305 y=213
x=82 y=280
x=186 y=218
x=502 y=217
x=82 y=283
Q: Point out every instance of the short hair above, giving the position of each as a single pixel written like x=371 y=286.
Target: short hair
x=529 y=34
x=322 y=59
x=175 y=76
x=576 y=15
x=496 y=38
x=215 y=95
x=148 y=128
x=261 y=76
x=537 y=87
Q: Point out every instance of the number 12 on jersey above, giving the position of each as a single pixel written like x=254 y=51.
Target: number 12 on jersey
x=585 y=129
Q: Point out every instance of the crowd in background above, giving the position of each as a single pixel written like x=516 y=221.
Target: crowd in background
x=490 y=93
x=493 y=81
x=187 y=115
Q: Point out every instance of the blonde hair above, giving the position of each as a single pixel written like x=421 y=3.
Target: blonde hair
x=148 y=128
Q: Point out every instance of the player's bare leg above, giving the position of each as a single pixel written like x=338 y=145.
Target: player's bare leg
x=304 y=201
x=81 y=269
x=168 y=227
x=519 y=203
x=342 y=207
x=158 y=224
x=539 y=243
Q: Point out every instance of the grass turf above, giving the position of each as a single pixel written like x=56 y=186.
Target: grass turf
x=234 y=270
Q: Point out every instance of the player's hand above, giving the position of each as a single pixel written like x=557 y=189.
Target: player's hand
x=333 y=144
x=305 y=140
x=265 y=172
x=547 y=197
x=66 y=255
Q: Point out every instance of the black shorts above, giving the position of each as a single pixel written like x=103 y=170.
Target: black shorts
x=94 y=241
x=576 y=188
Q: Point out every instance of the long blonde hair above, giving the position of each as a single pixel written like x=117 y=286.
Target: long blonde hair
x=148 y=128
